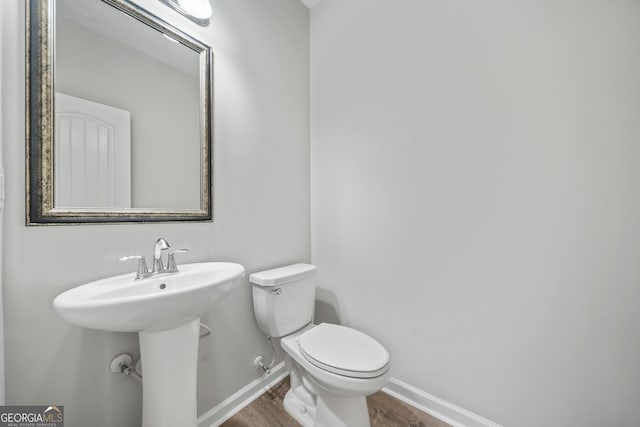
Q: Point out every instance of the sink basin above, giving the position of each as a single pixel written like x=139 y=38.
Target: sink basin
x=162 y=302
x=165 y=310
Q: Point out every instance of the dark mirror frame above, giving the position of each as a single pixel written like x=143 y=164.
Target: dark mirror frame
x=40 y=36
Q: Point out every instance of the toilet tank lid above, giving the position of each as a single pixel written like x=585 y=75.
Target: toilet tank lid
x=282 y=275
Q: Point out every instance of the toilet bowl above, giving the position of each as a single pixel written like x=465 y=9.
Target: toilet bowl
x=339 y=377
x=332 y=368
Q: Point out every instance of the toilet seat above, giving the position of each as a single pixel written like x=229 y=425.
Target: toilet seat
x=343 y=351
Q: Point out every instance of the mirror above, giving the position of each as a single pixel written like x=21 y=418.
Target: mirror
x=118 y=116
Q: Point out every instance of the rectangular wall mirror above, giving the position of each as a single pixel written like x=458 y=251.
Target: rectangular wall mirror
x=119 y=116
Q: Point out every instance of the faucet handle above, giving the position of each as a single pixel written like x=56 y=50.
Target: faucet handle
x=143 y=271
x=172 y=267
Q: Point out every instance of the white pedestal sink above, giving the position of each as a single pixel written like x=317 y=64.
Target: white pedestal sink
x=165 y=310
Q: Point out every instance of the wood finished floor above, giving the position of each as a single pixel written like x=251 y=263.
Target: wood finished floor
x=384 y=411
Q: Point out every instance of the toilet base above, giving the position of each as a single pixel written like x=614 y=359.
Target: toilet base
x=302 y=413
x=331 y=410
x=341 y=411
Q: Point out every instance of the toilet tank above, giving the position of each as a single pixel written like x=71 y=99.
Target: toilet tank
x=284 y=298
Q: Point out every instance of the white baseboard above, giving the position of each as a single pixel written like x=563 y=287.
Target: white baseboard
x=434 y=406
x=247 y=394
x=425 y=402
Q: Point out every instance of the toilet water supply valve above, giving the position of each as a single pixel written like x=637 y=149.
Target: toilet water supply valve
x=258 y=363
x=123 y=364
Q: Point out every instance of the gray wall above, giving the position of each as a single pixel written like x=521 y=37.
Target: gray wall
x=261 y=209
x=475 y=200
x=2 y=357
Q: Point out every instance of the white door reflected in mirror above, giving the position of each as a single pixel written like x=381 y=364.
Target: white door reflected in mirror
x=92 y=154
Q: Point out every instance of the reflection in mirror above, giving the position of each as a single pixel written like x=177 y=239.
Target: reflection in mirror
x=92 y=154
x=109 y=63
x=131 y=135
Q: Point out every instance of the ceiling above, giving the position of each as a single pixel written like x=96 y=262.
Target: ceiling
x=310 y=3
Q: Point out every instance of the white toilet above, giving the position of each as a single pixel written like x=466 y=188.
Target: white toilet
x=332 y=368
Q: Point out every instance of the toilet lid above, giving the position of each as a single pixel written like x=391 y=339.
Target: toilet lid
x=344 y=351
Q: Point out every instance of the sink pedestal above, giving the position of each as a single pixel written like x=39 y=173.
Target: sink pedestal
x=169 y=365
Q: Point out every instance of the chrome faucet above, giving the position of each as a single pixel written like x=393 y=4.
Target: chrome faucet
x=159 y=247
